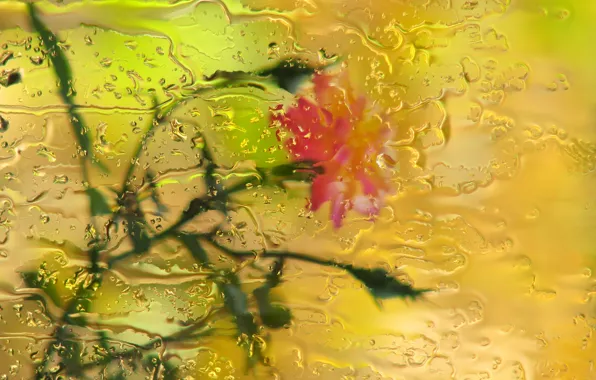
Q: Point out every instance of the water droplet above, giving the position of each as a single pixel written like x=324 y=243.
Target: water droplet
x=60 y=179
x=106 y=62
x=131 y=44
x=10 y=77
x=45 y=152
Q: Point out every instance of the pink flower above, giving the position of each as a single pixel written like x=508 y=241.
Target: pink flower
x=340 y=132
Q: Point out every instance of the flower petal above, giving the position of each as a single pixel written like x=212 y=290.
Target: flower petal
x=365 y=205
x=338 y=210
x=319 y=193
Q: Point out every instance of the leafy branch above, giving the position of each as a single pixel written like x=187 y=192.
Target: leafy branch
x=252 y=312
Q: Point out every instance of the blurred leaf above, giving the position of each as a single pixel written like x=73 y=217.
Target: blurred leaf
x=99 y=205
x=297 y=171
x=195 y=207
x=65 y=78
x=195 y=248
x=289 y=75
x=120 y=375
x=170 y=371
x=274 y=277
x=150 y=176
x=33 y=280
x=138 y=234
x=284 y=170
x=236 y=302
x=72 y=355
x=273 y=316
x=383 y=286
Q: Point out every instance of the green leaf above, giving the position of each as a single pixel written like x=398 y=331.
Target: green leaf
x=236 y=302
x=150 y=176
x=171 y=370
x=383 y=286
x=195 y=207
x=33 y=280
x=194 y=247
x=273 y=316
x=63 y=71
x=99 y=205
x=284 y=170
x=72 y=355
x=138 y=234
x=299 y=170
x=289 y=75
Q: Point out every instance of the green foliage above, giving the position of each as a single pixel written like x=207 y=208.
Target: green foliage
x=137 y=232
x=33 y=279
x=383 y=286
x=99 y=205
x=288 y=75
x=64 y=73
x=272 y=315
x=150 y=177
x=197 y=251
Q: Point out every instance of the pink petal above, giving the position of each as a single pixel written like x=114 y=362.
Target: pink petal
x=338 y=211
x=343 y=155
x=319 y=191
x=368 y=186
x=322 y=84
x=365 y=205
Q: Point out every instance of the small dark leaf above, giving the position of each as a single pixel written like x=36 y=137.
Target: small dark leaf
x=273 y=316
x=138 y=234
x=276 y=317
x=289 y=75
x=3 y=124
x=237 y=303
x=296 y=169
x=383 y=286
x=285 y=170
x=99 y=205
x=195 y=207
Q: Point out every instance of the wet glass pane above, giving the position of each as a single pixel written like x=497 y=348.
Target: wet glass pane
x=309 y=189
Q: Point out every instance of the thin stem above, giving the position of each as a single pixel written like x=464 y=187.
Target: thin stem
x=276 y=254
x=155 y=120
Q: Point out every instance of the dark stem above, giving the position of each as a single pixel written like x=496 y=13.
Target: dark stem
x=276 y=254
